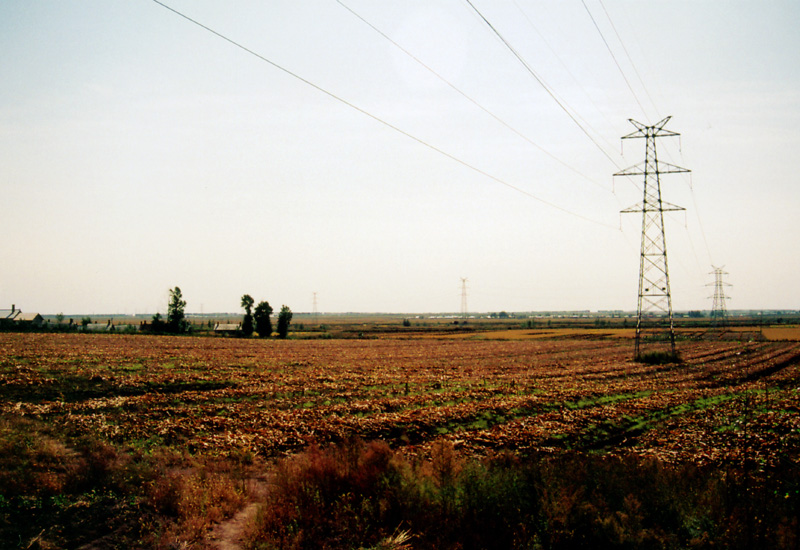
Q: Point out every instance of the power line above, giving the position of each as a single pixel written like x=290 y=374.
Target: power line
x=630 y=59
x=700 y=224
x=588 y=96
x=467 y=97
x=382 y=121
x=635 y=70
x=541 y=82
x=614 y=57
x=574 y=79
x=688 y=180
x=644 y=87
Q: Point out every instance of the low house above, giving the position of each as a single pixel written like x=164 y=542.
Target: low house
x=29 y=319
x=14 y=318
x=228 y=329
x=7 y=316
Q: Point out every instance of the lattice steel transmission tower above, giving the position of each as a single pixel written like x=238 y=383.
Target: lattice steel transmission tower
x=463 y=297
x=314 y=308
x=655 y=331
x=719 y=311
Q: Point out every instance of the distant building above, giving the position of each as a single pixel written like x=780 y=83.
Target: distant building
x=228 y=329
x=7 y=316
x=29 y=319
x=14 y=318
x=100 y=327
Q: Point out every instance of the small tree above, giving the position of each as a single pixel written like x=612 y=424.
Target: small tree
x=157 y=324
x=176 y=311
x=247 y=323
x=263 y=322
x=284 y=319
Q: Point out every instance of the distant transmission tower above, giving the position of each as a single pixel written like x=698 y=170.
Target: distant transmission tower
x=655 y=332
x=314 y=308
x=719 y=312
x=463 y=297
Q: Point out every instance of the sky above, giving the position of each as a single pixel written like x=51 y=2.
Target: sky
x=376 y=153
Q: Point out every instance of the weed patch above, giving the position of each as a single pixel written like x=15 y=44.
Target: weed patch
x=359 y=495
x=62 y=492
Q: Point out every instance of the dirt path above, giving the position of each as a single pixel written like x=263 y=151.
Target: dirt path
x=229 y=534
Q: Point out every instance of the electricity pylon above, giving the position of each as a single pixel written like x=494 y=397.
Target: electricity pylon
x=655 y=331
x=463 y=297
x=719 y=312
x=314 y=308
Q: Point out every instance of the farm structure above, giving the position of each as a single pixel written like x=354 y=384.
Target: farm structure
x=108 y=326
x=14 y=317
x=228 y=329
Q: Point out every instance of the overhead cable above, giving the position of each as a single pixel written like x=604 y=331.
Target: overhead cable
x=614 y=57
x=700 y=223
x=561 y=62
x=541 y=83
x=468 y=98
x=382 y=121
x=630 y=59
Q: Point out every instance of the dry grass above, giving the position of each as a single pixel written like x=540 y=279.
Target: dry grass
x=543 y=334
x=193 y=500
x=774 y=334
x=366 y=496
x=62 y=491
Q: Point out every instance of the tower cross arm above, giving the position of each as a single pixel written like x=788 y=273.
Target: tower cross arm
x=669 y=207
x=656 y=130
x=639 y=169
x=671 y=168
x=635 y=170
x=644 y=207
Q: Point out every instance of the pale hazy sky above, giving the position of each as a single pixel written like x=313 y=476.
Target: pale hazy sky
x=139 y=151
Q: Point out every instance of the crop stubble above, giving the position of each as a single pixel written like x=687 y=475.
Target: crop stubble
x=726 y=401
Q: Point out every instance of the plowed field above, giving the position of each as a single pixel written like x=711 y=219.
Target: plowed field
x=726 y=401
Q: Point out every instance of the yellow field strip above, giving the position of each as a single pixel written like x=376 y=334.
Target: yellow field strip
x=789 y=333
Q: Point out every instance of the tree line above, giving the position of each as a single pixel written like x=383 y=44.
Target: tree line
x=256 y=319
